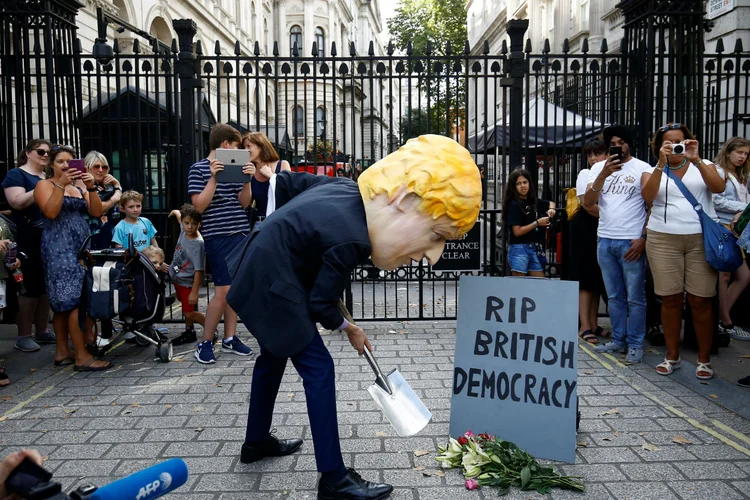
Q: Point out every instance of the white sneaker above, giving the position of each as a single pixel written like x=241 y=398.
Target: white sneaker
x=738 y=333
x=100 y=342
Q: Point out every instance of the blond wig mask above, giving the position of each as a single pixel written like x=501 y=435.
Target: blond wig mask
x=438 y=170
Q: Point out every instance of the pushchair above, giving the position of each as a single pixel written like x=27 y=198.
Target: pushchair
x=122 y=285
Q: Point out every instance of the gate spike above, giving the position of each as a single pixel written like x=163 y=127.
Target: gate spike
x=390 y=50
x=256 y=50
x=604 y=48
x=371 y=49
x=314 y=49
x=504 y=47
x=237 y=50
x=448 y=49
x=720 y=46
x=585 y=46
x=174 y=47
x=276 y=49
x=738 y=46
x=116 y=46
x=334 y=52
x=486 y=48
x=37 y=48
x=428 y=48
x=77 y=46
x=409 y=48
x=136 y=46
x=295 y=50
x=352 y=51
x=566 y=46
x=198 y=48
x=217 y=48
x=546 y=49
x=467 y=47
x=527 y=47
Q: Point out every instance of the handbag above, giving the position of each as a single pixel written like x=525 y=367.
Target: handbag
x=722 y=252
x=572 y=203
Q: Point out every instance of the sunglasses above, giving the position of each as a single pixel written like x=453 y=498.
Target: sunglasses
x=673 y=126
x=97 y=167
x=63 y=147
x=41 y=152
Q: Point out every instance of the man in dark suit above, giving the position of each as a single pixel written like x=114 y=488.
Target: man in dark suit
x=292 y=270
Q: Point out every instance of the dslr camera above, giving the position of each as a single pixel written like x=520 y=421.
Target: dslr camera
x=678 y=149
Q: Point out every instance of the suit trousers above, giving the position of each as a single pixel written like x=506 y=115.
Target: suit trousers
x=315 y=366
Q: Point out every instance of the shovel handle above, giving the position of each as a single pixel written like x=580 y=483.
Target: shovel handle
x=381 y=380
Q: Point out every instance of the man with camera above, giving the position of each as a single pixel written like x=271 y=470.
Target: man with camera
x=616 y=186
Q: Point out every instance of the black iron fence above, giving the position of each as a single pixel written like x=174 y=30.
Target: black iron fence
x=149 y=108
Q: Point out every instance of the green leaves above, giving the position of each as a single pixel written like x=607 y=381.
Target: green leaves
x=502 y=464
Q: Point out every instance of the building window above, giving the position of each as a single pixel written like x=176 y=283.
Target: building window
x=299 y=121
x=295 y=36
x=584 y=15
x=320 y=39
x=320 y=122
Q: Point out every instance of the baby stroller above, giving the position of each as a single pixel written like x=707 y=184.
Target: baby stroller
x=122 y=285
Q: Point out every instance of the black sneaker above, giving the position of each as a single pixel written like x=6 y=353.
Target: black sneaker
x=186 y=337
x=744 y=382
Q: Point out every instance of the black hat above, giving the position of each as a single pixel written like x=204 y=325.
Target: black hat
x=621 y=131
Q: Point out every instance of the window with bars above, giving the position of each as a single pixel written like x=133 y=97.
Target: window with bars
x=299 y=121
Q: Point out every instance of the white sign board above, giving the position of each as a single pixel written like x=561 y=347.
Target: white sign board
x=516 y=361
x=715 y=8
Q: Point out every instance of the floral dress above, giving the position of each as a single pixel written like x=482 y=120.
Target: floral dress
x=62 y=238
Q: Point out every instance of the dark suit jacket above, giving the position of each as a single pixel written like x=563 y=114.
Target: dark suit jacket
x=291 y=271
x=290 y=184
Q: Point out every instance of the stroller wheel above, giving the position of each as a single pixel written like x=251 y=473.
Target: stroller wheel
x=165 y=351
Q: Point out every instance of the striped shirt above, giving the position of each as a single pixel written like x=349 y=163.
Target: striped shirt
x=224 y=215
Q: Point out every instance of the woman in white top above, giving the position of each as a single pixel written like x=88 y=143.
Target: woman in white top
x=674 y=242
x=733 y=159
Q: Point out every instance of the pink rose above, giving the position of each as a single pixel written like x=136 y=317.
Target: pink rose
x=469 y=434
x=471 y=484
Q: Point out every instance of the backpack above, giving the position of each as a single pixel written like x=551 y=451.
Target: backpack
x=107 y=291
x=572 y=203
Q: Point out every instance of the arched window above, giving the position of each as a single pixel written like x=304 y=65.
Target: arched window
x=320 y=39
x=320 y=122
x=295 y=36
x=299 y=121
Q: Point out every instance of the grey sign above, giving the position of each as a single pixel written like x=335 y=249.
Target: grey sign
x=515 y=372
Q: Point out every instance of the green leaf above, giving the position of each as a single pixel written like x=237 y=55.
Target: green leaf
x=525 y=476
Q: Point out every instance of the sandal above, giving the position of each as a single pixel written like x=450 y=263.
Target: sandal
x=704 y=367
x=601 y=332
x=86 y=367
x=588 y=337
x=668 y=366
x=4 y=380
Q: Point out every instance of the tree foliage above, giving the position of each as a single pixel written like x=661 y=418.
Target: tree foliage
x=435 y=21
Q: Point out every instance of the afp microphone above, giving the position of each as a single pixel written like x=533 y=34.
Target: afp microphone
x=147 y=484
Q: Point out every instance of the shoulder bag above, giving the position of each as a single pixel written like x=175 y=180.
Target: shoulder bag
x=722 y=252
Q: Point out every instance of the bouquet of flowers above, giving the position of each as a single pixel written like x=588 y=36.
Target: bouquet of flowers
x=489 y=461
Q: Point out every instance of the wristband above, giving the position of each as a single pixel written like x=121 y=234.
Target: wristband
x=118 y=188
x=536 y=224
x=91 y=190
x=595 y=190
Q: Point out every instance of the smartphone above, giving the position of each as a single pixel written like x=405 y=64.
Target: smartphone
x=616 y=150
x=77 y=164
x=233 y=160
x=27 y=477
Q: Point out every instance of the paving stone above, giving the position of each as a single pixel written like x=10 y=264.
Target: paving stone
x=307 y=462
x=161 y=422
x=616 y=439
x=382 y=461
x=650 y=472
x=593 y=491
x=227 y=482
x=716 y=452
x=410 y=477
x=136 y=450
x=665 y=454
x=742 y=486
x=594 y=474
x=608 y=455
x=296 y=481
x=675 y=424
x=82 y=468
x=634 y=425
x=118 y=436
x=65 y=437
x=206 y=465
x=711 y=470
x=640 y=491
x=702 y=490
x=80 y=451
x=446 y=493
x=410 y=444
x=191 y=449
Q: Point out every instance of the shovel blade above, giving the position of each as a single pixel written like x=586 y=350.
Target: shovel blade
x=404 y=410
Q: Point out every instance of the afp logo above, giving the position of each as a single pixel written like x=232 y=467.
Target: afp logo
x=154 y=489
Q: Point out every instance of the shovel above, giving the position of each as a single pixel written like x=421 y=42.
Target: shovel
x=395 y=398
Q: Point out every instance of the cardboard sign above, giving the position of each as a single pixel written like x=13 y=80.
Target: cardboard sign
x=516 y=361
x=463 y=254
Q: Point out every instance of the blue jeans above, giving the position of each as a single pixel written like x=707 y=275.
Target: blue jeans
x=626 y=289
x=523 y=258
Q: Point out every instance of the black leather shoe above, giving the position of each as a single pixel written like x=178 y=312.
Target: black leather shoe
x=271 y=447
x=353 y=487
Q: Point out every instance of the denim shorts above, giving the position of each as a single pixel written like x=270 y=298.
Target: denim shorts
x=218 y=249
x=523 y=258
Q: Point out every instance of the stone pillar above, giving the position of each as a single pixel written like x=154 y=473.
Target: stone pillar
x=280 y=33
x=309 y=30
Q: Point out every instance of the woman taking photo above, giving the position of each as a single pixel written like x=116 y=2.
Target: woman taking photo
x=521 y=211
x=65 y=199
x=267 y=162
x=109 y=190
x=19 y=184
x=733 y=159
x=674 y=243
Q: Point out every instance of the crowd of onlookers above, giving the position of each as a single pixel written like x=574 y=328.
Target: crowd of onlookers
x=634 y=220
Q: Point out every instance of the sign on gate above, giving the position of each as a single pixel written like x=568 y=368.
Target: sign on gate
x=463 y=254
x=515 y=371
x=716 y=8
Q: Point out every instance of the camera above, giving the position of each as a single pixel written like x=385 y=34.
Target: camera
x=678 y=149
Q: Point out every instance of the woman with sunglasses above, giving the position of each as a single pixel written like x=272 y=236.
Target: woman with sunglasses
x=674 y=243
x=19 y=185
x=66 y=198
x=110 y=191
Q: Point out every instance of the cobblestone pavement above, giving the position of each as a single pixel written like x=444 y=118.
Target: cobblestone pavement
x=95 y=427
